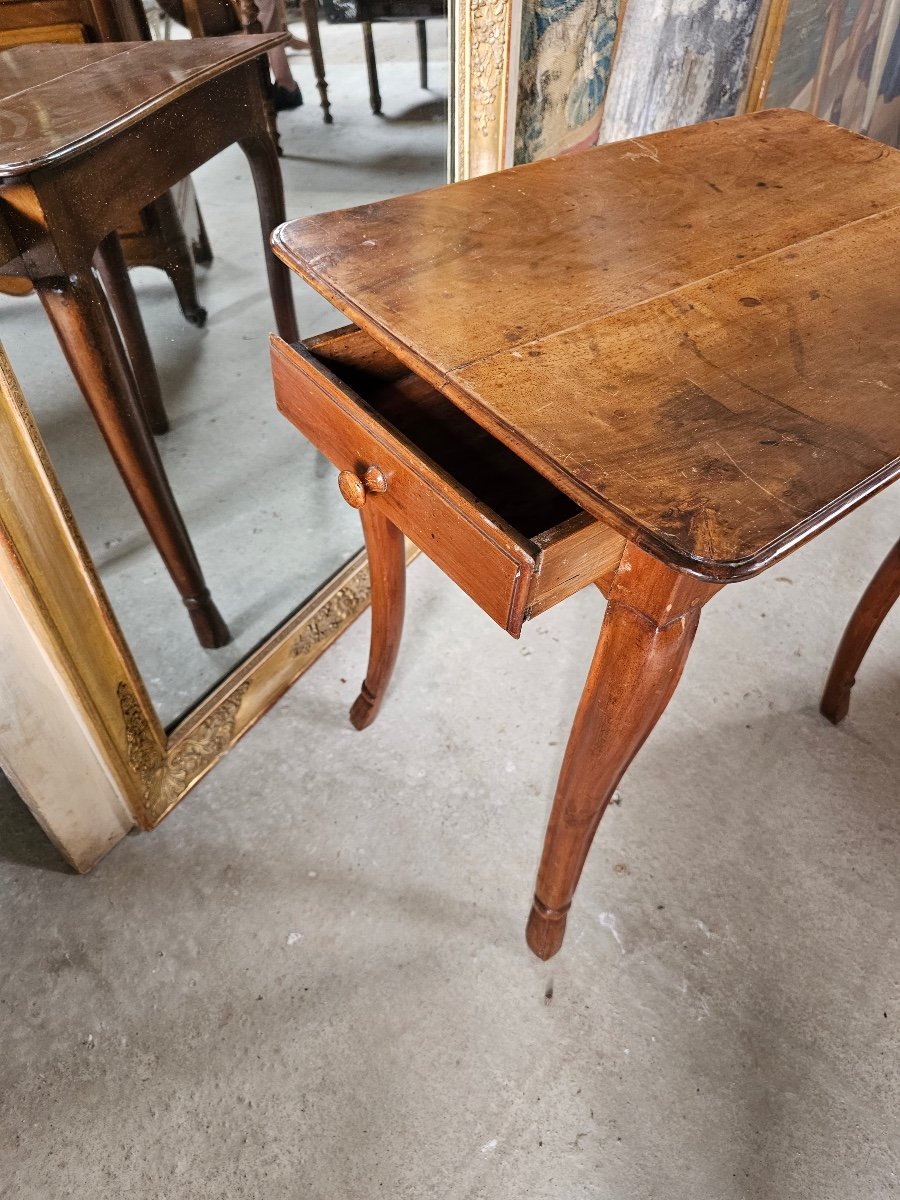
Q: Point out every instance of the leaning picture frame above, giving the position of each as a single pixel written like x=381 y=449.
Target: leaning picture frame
x=79 y=738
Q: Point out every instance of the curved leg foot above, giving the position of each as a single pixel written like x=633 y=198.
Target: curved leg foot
x=261 y=155
x=545 y=930
x=113 y=271
x=650 y=622
x=387 y=570
x=83 y=322
x=193 y=314
x=209 y=626
x=874 y=605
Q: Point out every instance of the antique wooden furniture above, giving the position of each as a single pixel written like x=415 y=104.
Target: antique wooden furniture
x=875 y=603
x=660 y=366
x=169 y=233
x=90 y=134
x=365 y=13
x=220 y=18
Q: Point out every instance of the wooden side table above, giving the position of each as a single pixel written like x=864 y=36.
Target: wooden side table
x=169 y=234
x=90 y=134
x=659 y=366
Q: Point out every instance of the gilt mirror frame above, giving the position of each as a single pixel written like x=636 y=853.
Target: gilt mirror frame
x=79 y=738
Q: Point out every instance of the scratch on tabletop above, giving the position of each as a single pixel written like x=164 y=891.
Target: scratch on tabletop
x=646 y=151
x=756 y=484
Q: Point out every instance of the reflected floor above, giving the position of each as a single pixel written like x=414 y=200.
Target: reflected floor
x=261 y=505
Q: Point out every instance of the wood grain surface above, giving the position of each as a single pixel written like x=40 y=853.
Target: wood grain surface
x=693 y=335
x=58 y=100
x=729 y=420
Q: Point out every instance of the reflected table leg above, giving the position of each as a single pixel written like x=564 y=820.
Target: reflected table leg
x=113 y=271
x=82 y=319
x=263 y=158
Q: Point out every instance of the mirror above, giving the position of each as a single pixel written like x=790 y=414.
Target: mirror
x=115 y=680
x=261 y=507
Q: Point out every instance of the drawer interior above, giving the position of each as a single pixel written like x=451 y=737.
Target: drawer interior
x=458 y=445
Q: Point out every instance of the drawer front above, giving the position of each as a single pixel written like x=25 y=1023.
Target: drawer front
x=443 y=520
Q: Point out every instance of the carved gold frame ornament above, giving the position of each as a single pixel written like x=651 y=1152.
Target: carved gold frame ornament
x=79 y=737
x=484 y=54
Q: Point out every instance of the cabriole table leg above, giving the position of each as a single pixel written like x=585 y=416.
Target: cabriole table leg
x=83 y=322
x=386 y=549
x=179 y=259
x=114 y=273
x=874 y=605
x=261 y=154
x=650 y=622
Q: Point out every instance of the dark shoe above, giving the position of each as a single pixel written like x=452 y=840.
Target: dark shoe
x=285 y=99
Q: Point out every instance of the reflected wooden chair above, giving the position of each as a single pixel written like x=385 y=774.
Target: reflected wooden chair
x=366 y=13
x=169 y=233
x=875 y=603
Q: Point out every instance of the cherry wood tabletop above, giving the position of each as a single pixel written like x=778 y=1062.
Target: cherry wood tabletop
x=695 y=335
x=57 y=101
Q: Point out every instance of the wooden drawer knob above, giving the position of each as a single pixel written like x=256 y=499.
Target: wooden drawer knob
x=374 y=480
x=354 y=489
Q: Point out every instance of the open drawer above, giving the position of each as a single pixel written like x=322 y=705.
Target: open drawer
x=502 y=532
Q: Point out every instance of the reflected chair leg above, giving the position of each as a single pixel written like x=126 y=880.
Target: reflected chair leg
x=248 y=16
x=311 y=20
x=180 y=265
x=422 y=39
x=875 y=603
x=650 y=622
x=371 y=67
x=261 y=155
x=113 y=271
x=83 y=322
x=200 y=246
x=386 y=549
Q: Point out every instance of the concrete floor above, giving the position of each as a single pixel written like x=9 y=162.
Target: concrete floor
x=311 y=981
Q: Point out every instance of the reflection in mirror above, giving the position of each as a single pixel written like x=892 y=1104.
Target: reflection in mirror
x=261 y=506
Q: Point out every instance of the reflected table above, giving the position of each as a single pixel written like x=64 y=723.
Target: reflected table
x=88 y=135
x=659 y=366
